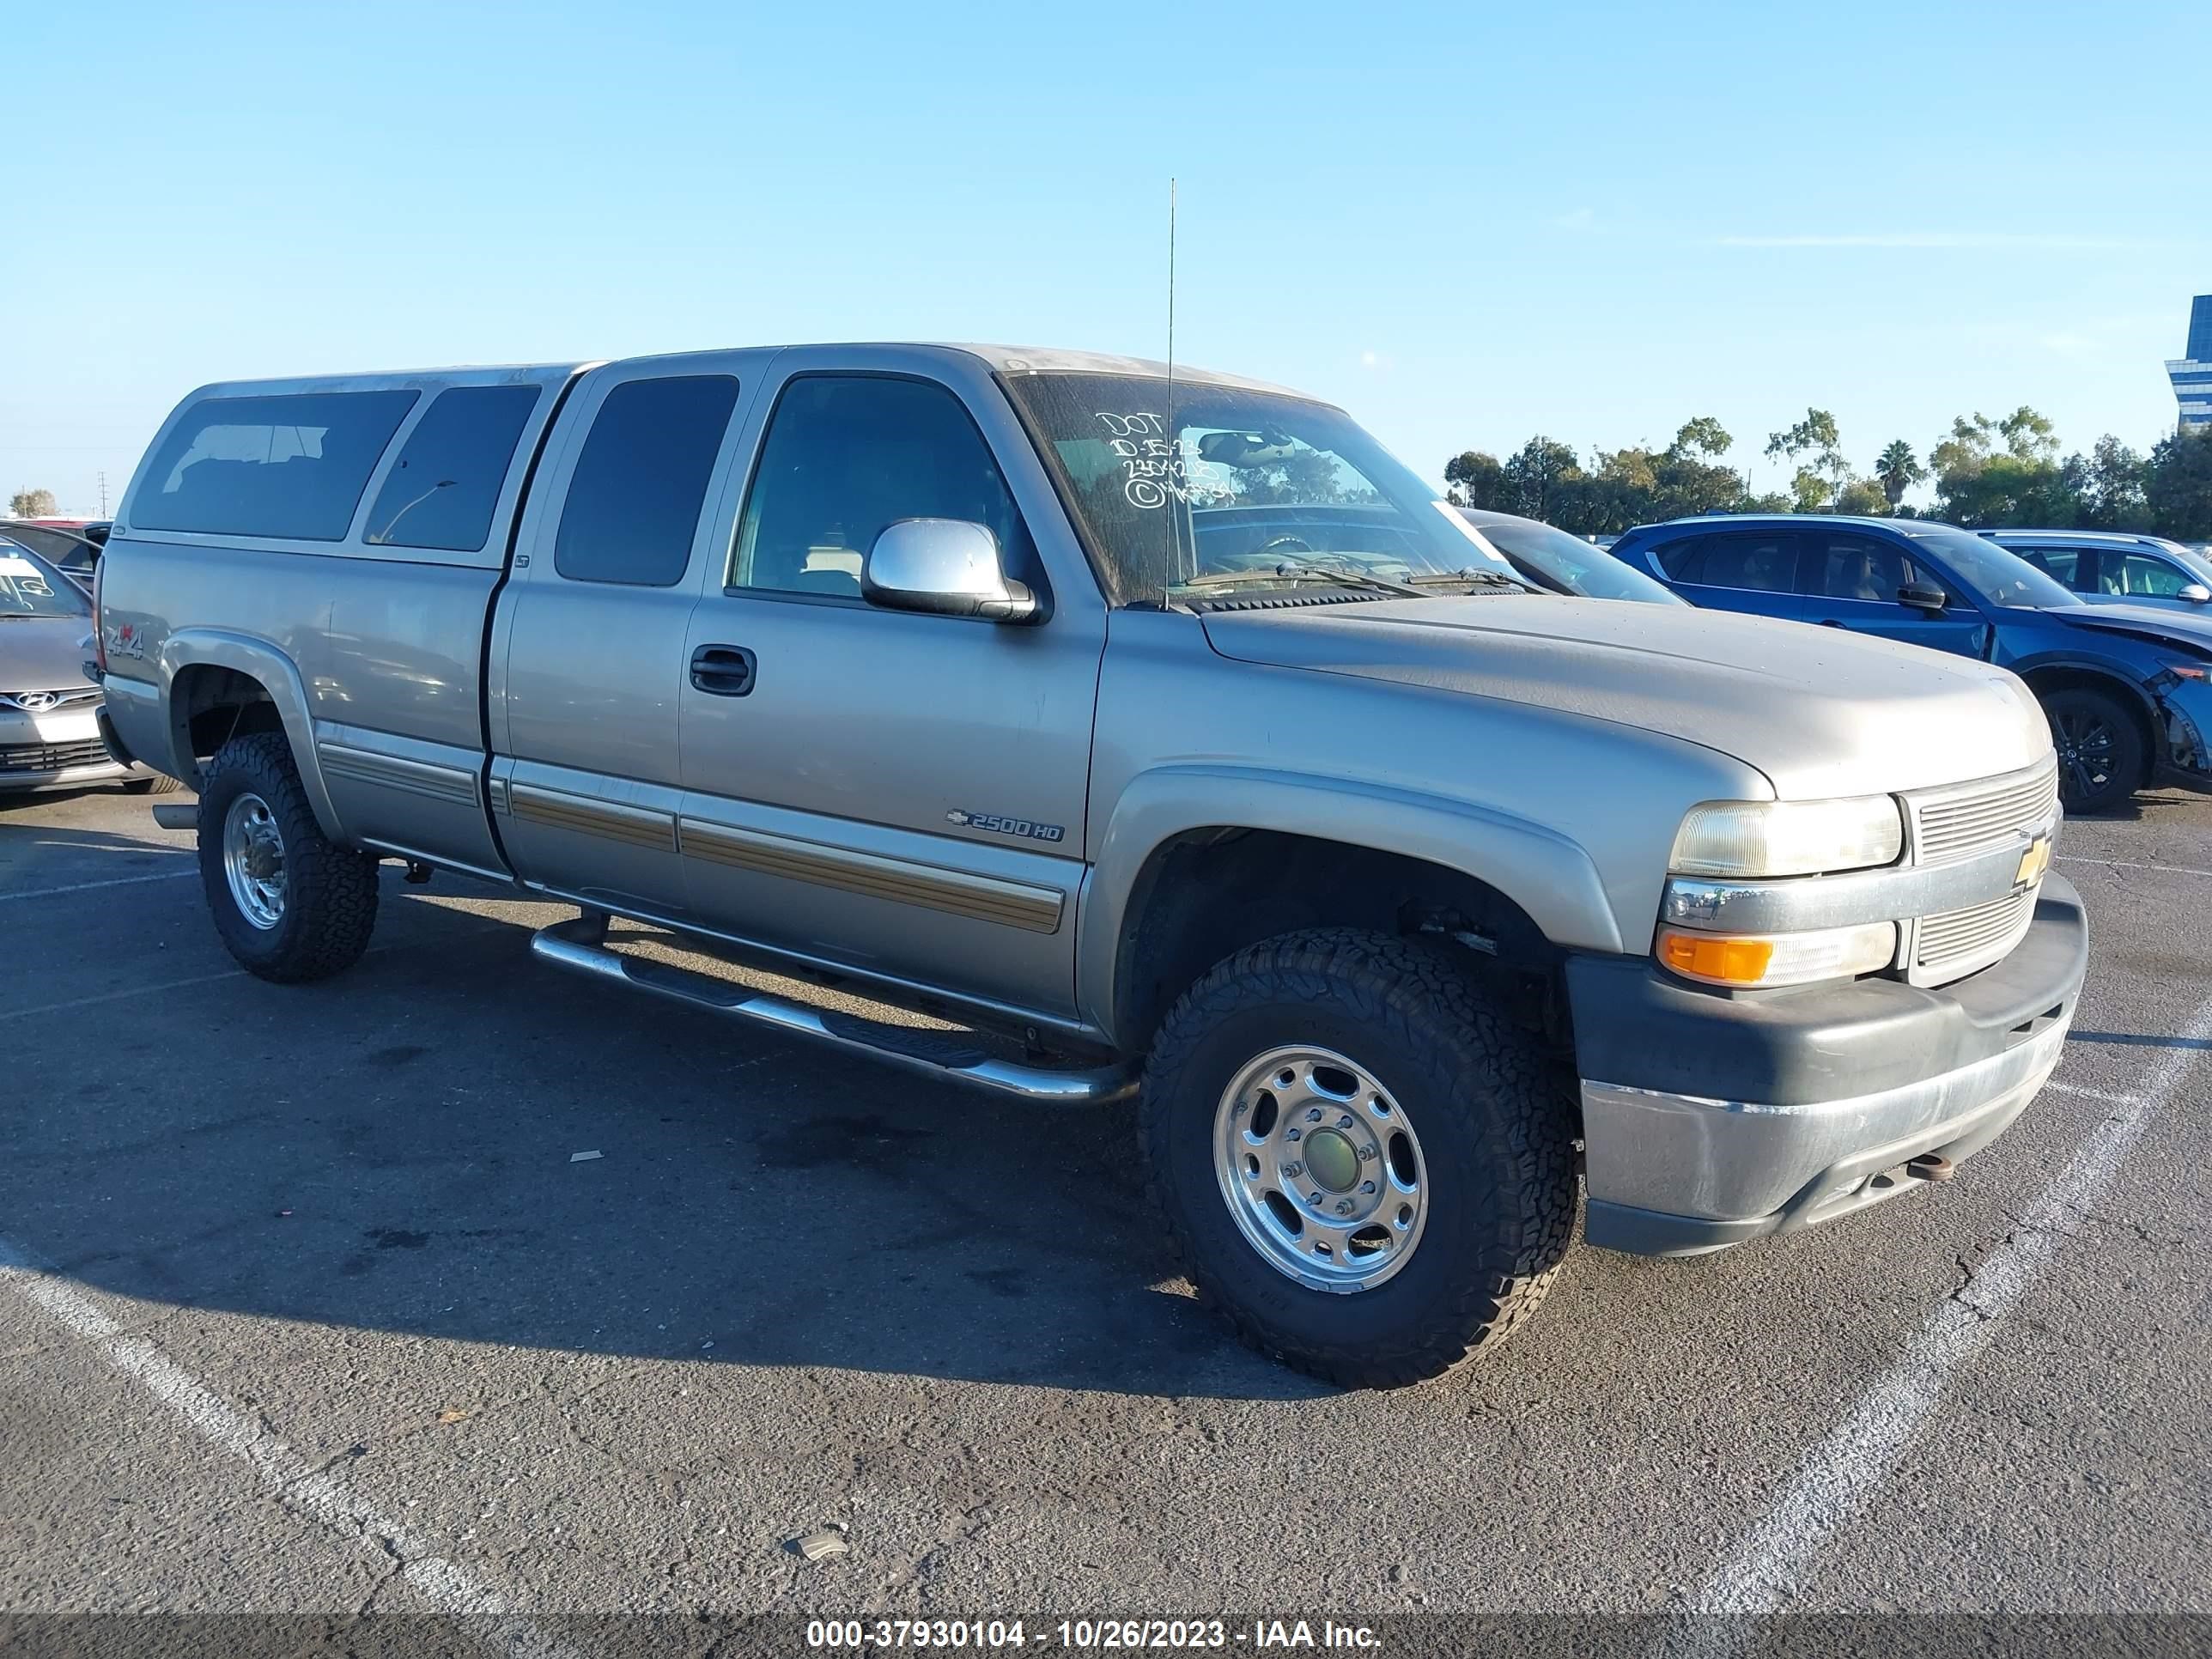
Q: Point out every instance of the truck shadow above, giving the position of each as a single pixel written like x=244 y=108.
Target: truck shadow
x=451 y=1141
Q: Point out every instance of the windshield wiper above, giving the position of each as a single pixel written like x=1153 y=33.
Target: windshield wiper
x=1480 y=578
x=1289 y=570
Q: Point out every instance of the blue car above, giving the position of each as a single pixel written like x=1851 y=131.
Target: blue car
x=2128 y=689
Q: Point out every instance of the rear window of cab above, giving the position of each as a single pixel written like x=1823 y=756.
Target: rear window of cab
x=293 y=466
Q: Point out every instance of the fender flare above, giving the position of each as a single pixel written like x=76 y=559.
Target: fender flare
x=266 y=664
x=1547 y=875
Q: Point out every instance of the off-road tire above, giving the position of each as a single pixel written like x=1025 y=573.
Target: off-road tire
x=329 y=897
x=2100 y=710
x=158 y=784
x=1494 y=1134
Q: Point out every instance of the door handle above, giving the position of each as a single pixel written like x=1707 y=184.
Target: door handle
x=724 y=670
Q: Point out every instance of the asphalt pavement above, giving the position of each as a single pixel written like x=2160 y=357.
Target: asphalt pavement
x=459 y=1285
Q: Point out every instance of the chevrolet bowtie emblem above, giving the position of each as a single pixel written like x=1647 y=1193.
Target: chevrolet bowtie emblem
x=2033 y=863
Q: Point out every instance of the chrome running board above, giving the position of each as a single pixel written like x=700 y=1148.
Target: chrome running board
x=580 y=945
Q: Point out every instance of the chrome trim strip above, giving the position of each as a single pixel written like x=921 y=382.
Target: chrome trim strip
x=575 y=946
x=413 y=777
x=583 y=817
x=1896 y=892
x=957 y=892
x=66 y=699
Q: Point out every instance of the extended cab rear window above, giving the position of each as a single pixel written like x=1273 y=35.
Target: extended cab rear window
x=292 y=465
x=639 y=487
x=442 y=489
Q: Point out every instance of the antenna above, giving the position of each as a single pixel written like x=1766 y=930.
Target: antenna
x=1175 y=447
x=103 y=495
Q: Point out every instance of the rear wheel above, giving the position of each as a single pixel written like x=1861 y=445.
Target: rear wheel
x=1362 y=1166
x=156 y=785
x=2100 y=749
x=290 y=903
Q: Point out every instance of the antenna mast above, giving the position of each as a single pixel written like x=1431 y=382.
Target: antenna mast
x=1174 y=448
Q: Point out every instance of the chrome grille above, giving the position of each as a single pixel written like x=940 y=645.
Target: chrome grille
x=52 y=757
x=1980 y=932
x=44 y=703
x=1959 y=824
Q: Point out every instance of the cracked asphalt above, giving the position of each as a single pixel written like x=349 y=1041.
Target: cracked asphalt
x=344 y=1226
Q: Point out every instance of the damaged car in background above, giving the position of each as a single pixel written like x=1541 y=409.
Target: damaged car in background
x=2127 y=689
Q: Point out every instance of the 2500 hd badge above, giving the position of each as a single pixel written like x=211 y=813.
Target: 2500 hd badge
x=1004 y=826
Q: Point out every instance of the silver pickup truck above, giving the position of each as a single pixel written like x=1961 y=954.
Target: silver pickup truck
x=1159 y=730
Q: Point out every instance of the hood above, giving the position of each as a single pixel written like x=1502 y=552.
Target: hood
x=42 y=654
x=2144 y=621
x=1820 y=711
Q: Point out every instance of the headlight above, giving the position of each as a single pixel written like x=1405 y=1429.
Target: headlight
x=1746 y=961
x=1788 y=837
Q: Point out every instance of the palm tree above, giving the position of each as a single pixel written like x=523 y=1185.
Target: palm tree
x=1898 y=469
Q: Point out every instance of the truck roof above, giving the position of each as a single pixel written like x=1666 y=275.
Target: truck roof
x=1005 y=359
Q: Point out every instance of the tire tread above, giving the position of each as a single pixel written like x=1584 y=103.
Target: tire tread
x=330 y=890
x=1416 y=994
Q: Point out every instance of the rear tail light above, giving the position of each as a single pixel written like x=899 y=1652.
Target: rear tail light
x=99 y=634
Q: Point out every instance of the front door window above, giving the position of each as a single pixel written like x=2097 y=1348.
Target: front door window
x=847 y=455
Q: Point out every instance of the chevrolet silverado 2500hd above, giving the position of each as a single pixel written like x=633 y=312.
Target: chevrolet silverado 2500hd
x=1158 y=728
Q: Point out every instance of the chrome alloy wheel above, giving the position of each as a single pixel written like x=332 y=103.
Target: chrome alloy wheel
x=253 y=861
x=1320 y=1168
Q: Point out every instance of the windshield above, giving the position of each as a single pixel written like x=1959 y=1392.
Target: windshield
x=1569 y=564
x=66 y=549
x=2002 y=579
x=1234 y=484
x=30 y=587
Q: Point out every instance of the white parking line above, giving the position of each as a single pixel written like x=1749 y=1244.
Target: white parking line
x=2105 y=1095
x=86 y=886
x=2132 y=864
x=1840 y=1474
x=295 y=1484
x=118 y=996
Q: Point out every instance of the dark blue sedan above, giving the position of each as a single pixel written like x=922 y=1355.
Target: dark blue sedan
x=2128 y=691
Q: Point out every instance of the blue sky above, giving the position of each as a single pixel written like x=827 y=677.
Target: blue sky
x=1465 y=222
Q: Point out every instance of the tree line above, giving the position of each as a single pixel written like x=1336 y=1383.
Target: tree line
x=1987 y=474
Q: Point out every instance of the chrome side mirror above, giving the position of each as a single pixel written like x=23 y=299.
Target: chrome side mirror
x=2196 y=593
x=945 y=567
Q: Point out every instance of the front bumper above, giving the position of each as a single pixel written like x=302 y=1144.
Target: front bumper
x=2184 y=708
x=1708 y=1119
x=59 y=749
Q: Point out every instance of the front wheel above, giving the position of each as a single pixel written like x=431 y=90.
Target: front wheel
x=290 y=903
x=2100 y=749
x=1363 y=1167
